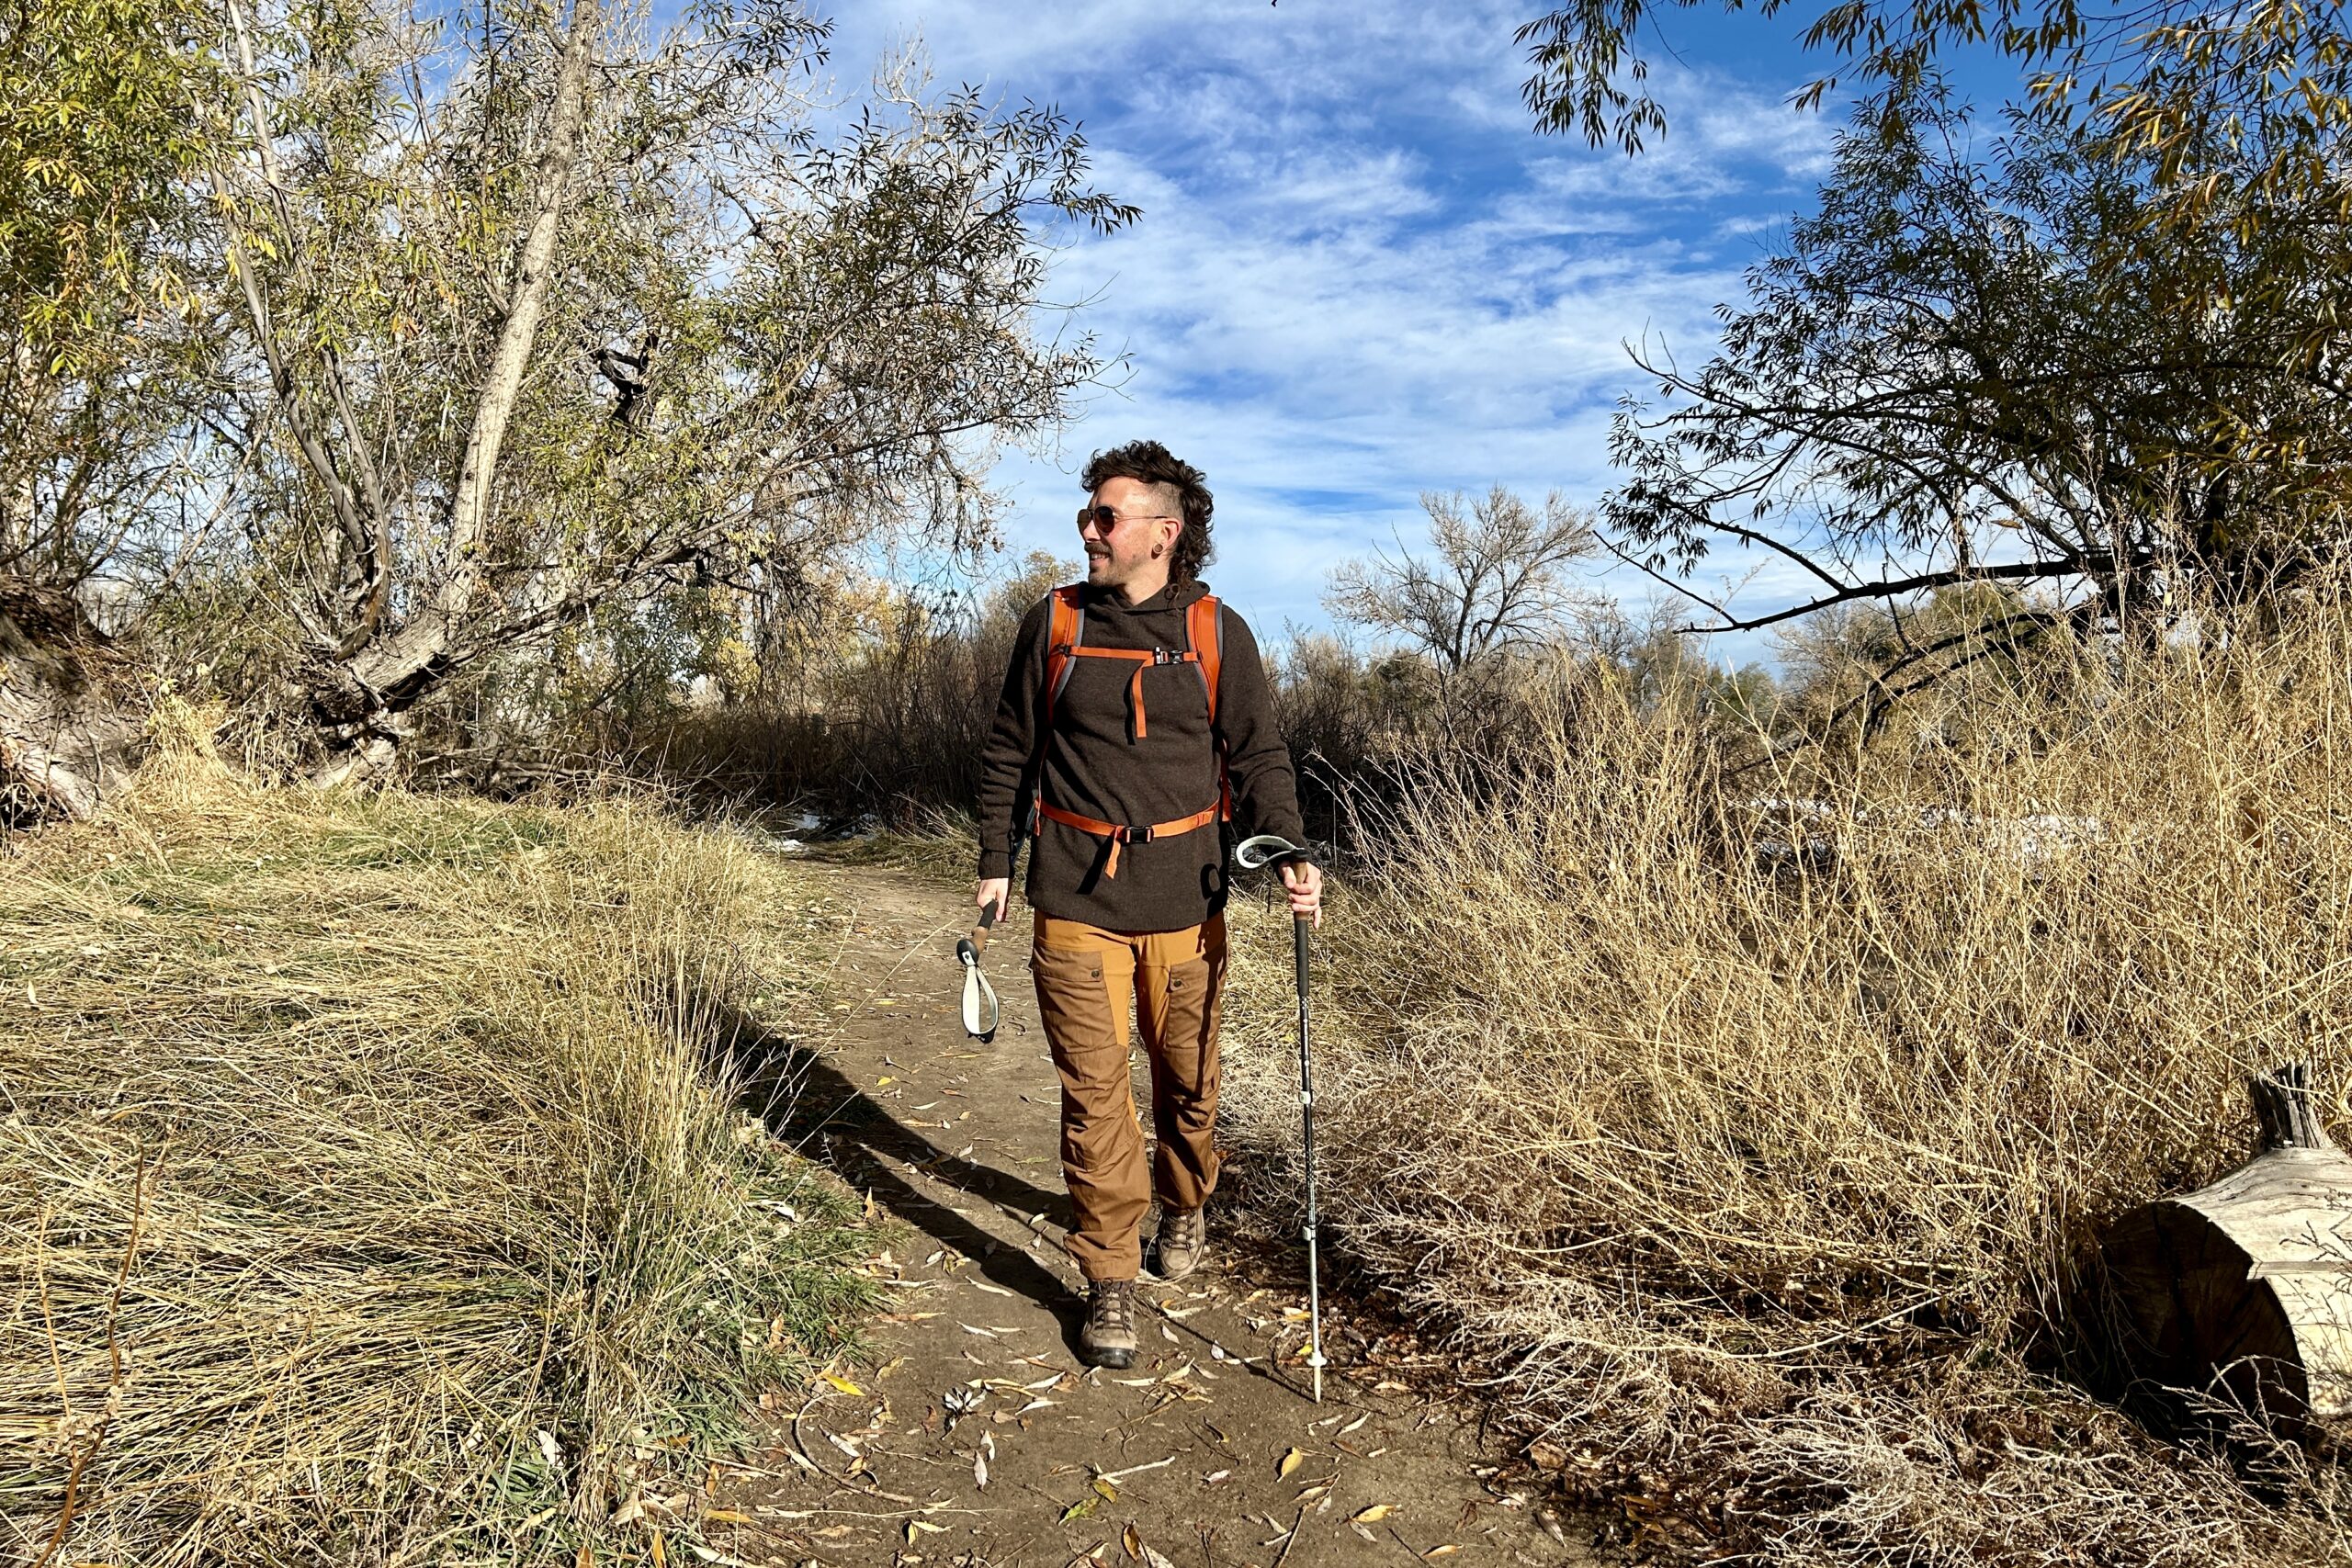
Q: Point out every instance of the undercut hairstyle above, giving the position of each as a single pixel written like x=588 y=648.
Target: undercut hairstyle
x=1147 y=462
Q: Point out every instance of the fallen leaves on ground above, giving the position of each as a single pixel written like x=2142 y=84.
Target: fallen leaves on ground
x=1142 y=1551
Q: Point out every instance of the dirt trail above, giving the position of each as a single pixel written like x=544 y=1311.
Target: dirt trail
x=1181 y=1459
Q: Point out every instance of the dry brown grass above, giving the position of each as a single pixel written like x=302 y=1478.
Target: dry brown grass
x=1766 y=1181
x=365 y=1196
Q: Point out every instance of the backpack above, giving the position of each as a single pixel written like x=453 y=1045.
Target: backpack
x=1065 y=644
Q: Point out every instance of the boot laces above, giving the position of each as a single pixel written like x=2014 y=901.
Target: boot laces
x=1114 y=1304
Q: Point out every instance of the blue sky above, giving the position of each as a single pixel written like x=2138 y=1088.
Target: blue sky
x=1360 y=273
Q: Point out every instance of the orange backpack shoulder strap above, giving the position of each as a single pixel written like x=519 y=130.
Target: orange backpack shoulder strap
x=1205 y=632
x=1064 y=632
x=1205 y=635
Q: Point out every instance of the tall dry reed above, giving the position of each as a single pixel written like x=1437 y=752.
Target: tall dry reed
x=1758 y=1125
x=371 y=1191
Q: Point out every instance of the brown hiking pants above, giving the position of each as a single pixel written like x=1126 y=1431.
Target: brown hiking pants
x=1085 y=975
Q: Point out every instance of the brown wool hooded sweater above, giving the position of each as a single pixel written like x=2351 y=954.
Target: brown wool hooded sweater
x=1094 y=765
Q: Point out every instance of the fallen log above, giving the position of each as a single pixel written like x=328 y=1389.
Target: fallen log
x=2244 y=1289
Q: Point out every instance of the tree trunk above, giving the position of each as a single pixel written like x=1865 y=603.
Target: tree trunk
x=2244 y=1287
x=69 y=742
x=362 y=702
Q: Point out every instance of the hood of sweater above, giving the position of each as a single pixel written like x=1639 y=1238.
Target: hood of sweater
x=1175 y=596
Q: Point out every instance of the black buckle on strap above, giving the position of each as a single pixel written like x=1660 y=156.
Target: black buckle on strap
x=1134 y=835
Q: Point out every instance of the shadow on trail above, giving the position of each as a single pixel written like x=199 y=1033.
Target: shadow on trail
x=808 y=1103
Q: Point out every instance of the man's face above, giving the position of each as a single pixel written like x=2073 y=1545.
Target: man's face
x=1118 y=556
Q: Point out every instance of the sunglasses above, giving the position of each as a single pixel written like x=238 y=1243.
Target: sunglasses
x=1102 y=518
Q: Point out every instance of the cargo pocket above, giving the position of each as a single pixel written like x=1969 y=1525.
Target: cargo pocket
x=1188 y=1021
x=1183 y=1026
x=1184 y=1080
x=1072 y=998
x=1085 y=1035
x=1102 y=1147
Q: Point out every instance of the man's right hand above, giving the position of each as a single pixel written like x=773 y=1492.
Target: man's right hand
x=996 y=890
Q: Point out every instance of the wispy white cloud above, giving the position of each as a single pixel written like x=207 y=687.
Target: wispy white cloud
x=1360 y=273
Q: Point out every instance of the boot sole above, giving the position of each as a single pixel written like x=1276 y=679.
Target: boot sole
x=1111 y=1360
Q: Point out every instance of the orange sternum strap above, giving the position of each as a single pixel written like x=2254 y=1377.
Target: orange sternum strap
x=1143 y=658
x=1121 y=834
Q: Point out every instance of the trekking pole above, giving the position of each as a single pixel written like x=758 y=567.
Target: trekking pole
x=1268 y=849
x=980 y=997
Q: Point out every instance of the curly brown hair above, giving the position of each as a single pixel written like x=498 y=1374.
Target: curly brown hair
x=1150 y=463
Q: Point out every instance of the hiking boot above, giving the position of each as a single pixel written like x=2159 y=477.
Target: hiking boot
x=1109 y=1338
x=1183 y=1239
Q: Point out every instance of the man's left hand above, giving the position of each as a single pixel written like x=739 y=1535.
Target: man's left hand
x=1305 y=885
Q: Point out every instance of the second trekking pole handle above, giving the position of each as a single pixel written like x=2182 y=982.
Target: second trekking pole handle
x=970 y=948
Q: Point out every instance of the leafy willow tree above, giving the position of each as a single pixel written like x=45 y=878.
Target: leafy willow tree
x=100 y=364
x=2272 y=77
x=365 y=342
x=547 y=315
x=96 y=148
x=2103 y=347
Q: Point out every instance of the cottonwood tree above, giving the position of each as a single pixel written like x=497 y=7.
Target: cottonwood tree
x=545 y=314
x=1956 y=367
x=1493 y=579
x=1491 y=583
x=2102 y=348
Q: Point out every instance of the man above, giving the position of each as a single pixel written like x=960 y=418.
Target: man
x=1113 y=722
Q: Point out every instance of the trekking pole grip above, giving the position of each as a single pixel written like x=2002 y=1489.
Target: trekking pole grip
x=970 y=948
x=1269 y=849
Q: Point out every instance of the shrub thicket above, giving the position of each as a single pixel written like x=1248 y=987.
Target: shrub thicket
x=878 y=708
x=1755 y=1114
